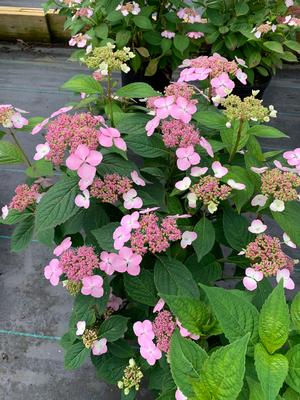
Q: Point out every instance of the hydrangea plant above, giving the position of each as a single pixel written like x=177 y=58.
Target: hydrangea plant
x=159 y=220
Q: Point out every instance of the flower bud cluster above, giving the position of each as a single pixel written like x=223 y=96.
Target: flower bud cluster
x=132 y=377
x=282 y=185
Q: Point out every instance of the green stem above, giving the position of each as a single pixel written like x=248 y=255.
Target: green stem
x=20 y=147
x=109 y=96
x=238 y=139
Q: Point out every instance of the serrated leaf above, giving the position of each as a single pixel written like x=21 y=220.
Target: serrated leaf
x=76 y=355
x=205 y=237
x=266 y=132
x=58 y=204
x=186 y=359
x=83 y=84
x=276 y=47
x=236 y=229
x=211 y=119
x=10 y=154
x=142 y=22
x=181 y=42
x=223 y=372
x=104 y=236
x=136 y=90
x=15 y=216
x=274 y=320
x=236 y=315
x=40 y=168
x=22 y=234
x=113 y=328
x=109 y=367
x=289 y=220
x=295 y=312
x=173 y=277
x=113 y=163
x=148 y=147
x=141 y=288
x=271 y=371
x=293 y=378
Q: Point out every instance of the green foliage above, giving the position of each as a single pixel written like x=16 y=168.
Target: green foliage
x=10 y=153
x=76 y=355
x=113 y=328
x=137 y=89
x=141 y=288
x=83 y=84
x=104 y=235
x=205 y=237
x=293 y=378
x=288 y=220
x=295 y=312
x=22 y=234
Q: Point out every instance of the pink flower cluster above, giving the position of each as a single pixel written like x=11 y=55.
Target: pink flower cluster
x=282 y=185
x=144 y=332
x=125 y=261
x=209 y=190
x=178 y=89
x=293 y=158
x=189 y=15
x=154 y=236
x=163 y=327
x=177 y=134
x=80 y=40
x=79 y=263
x=266 y=255
x=25 y=196
x=110 y=188
x=70 y=131
x=11 y=117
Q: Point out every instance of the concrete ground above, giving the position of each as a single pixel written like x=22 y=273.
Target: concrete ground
x=31 y=367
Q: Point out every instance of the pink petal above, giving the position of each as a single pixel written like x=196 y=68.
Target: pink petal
x=120 y=144
x=152 y=125
x=105 y=141
x=206 y=146
x=183 y=164
x=61 y=111
x=94 y=158
x=73 y=162
x=82 y=152
x=97 y=291
x=250 y=283
x=86 y=171
x=54 y=280
x=218 y=169
x=133 y=270
x=159 y=305
x=136 y=179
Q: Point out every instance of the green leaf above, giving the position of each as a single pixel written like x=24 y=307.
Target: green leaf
x=293 y=45
x=295 y=312
x=121 y=349
x=152 y=67
x=230 y=41
x=104 y=236
x=211 y=119
x=67 y=340
x=136 y=89
x=76 y=355
x=275 y=47
x=101 y=31
x=142 y=22
x=15 y=216
x=109 y=367
x=186 y=359
x=206 y=271
x=266 y=132
x=22 y=234
x=236 y=315
x=289 y=220
x=173 y=277
x=241 y=8
x=223 y=372
x=141 y=288
x=271 y=371
x=113 y=328
x=46 y=237
x=192 y=313
x=122 y=38
x=83 y=84
x=40 y=168
x=289 y=56
x=236 y=229
x=254 y=58
x=113 y=163
x=274 y=320
x=10 y=154
x=240 y=197
x=264 y=289
x=181 y=42
x=148 y=147
x=205 y=239
x=293 y=378
x=290 y=394
x=57 y=205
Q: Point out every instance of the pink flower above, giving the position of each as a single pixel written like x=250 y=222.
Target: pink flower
x=152 y=125
x=130 y=221
x=184 y=184
x=206 y=146
x=79 y=40
x=284 y=274
x=84 y=161
x=84 y=183
x=259 y=200
x=99 y=347
x=198 y=171
x=106 y=263
x=150 y=352
x=194 y=74
x=41 y=151
x=121 y=235
x=143 y=329
x=241 y=76
x=167 y=34
x=114 y=302
x=40 y=126
x=131 y=200
x=65 y=245
x=236 y=185
x=222 y=85
x=148 y=210
x=292 y=157
x=83 y=200
x=5 y=211
x=92 y=285
x=53 y=271
x=163 y=106
x=195 y=35
x=186 y=157
x=219 y=170
x=61 y=111
x=111 y=136
x=136 y=179
x=159 y=306
x=183 y=109
x=128 y=261
x=187 y=238
x=257 y=227
x=251 y=278
x=184 y=332
x=179 y=395
x=81 y=325
x=260 y=170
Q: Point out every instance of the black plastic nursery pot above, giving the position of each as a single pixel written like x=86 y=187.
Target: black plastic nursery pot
x=260 y=83
x=158 y=81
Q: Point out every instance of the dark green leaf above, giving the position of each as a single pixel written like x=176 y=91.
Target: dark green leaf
x=205 y=237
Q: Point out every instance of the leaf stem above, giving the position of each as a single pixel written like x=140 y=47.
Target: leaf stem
x=20 y=147
x=110 y=99
x=238 y=139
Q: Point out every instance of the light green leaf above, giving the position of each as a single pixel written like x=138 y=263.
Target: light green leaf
x=101 y=31
x=22 y=234
x=57 y=205
x=211 y=119
x=122 y=38
x=113 y=328
x=223 y=372
x=293 y=378
x=76 y=355
x=290 y=394
x=83 y=84
x=266 y=132
x=10 y=154
x=236 y=315
x=295 y=312
x=104 y=236
x=136 y=89
x=274 y=320
x=173 y=277
x=289 y=220
x=186 y=359
x=205 y=239
x=271 y=371
x=293 y=45
x=40 y=168
x=142 y=22
x=276 y=47
x=141 y=288
x=289 y=56
x=15 y=216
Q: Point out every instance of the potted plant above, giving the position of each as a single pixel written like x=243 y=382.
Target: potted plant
x=262 y=34
x=159 y=33
x=143 y=247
